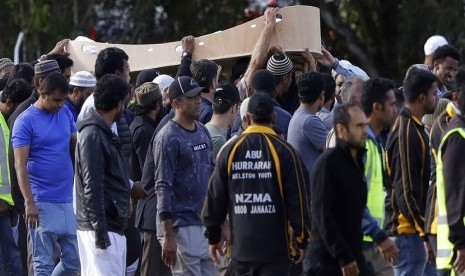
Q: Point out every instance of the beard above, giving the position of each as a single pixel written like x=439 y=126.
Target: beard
x=356 y=143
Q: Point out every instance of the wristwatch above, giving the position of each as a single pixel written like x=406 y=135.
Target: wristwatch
x=186 y=54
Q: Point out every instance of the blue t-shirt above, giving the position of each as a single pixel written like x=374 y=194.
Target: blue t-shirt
x=206 y=111
x=72 y=109
x=307 y=134
x=49 y=165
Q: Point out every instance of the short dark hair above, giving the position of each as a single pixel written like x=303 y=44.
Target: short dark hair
x=417 y=82
x=459 y=79
x=399 y=93
x=445 y=51
x=330 y=86
x=375 y=91
x=261 y=119
x=239 y=67
x=204 y=71
x=461 y=101
x=459 y=85
x=63 y=61
x=109 y=60
x=310 y=86
x=22 y=71
x=53 y=82
x=109 y=91
x=17 y=91
x=342 y=115
x=221 y=106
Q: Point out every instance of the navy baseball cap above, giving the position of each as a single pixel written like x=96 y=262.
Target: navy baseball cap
x=185 y=86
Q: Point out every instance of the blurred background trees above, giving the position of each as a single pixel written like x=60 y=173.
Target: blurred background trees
x=382 y=36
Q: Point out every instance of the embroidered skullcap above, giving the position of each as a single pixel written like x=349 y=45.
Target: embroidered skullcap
x=46 y=66
x=5 y=63
x=279 y=65
x=83 y=79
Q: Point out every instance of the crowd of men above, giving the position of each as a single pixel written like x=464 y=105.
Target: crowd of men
x=286 y=169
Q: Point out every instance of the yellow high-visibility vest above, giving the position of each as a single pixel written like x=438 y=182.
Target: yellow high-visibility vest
x=374 y=173
x=5 y=184
x=445 y=247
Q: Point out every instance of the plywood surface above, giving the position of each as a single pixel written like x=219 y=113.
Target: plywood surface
x=298 y=29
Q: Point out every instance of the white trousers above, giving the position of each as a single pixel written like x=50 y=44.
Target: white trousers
x=98 y=262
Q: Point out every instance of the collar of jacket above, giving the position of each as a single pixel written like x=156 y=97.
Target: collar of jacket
x=259 y=129
x=406 y=112
x=94 y=118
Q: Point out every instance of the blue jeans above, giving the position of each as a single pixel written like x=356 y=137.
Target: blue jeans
x=57 y=224
x=9 y=252
x=412 y=257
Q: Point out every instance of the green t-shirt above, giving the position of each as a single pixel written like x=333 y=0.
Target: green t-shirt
x=218 y=138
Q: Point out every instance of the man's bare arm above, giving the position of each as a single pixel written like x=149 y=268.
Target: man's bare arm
x=260 y=53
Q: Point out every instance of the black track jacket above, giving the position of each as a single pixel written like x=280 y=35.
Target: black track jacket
x=260 y=182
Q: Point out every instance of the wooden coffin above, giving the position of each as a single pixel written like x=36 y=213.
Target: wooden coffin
x=298 y=29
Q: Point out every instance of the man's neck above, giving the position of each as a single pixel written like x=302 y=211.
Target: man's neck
x=375 y=125
x=220 y=121
x=108 y=117
x=311 y=108
x=184 y=122
x=416 y=110
x=439 y=84
x=208 y=96
x=153 y=114
x=38 y=105
x=327 y=105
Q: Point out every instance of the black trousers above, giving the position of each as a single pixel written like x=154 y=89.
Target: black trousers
x=259 y=269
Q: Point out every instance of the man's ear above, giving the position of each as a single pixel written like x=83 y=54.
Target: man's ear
x=455 y=96
x=248 y=121
x=377 y=106
x=341 y=131
x=422 y=98
x=41 y=80
x=175 y=103
x=118 y=72
x=42 y=93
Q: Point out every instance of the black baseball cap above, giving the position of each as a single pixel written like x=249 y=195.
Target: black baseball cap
x=260 y=104
x=185 y=86
x=228 y=91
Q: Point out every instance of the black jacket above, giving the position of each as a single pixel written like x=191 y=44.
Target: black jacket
x=142 y=129
x=147 y=208
x=338 y=198
x=101 y=178
x=454 y=181
x=408 y=168
x=260 y=182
